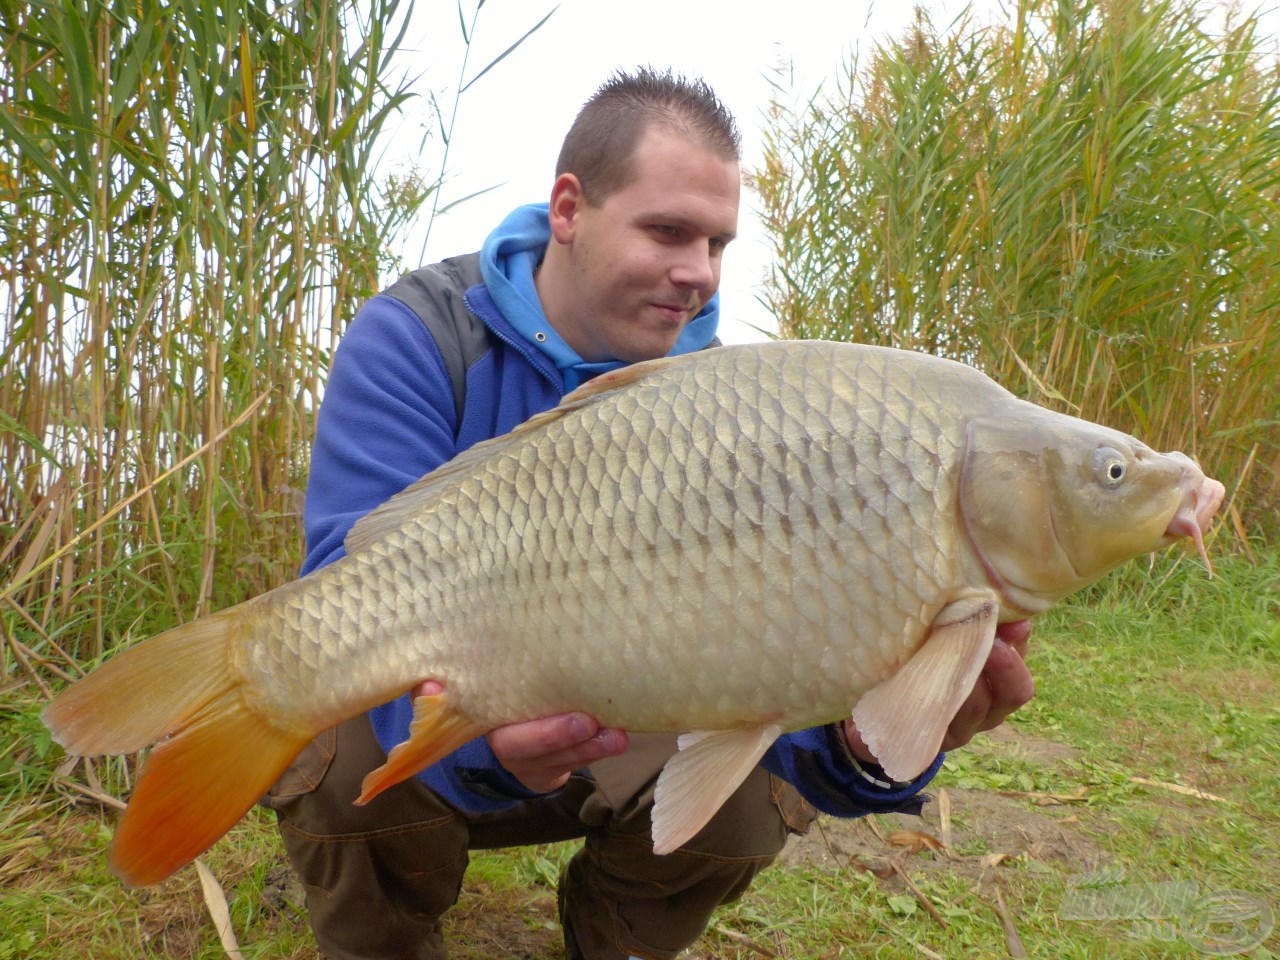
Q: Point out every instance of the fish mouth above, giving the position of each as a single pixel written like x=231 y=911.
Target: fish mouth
x=1201 y=498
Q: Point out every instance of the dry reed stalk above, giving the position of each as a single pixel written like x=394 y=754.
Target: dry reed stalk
x=177 y=258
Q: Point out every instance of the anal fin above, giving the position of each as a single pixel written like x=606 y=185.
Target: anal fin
x=903 y=719
x=697 y=781
x=436 y=731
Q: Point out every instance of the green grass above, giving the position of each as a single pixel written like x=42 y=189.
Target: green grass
x=1163 y=674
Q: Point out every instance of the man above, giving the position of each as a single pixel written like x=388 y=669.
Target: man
x=621 y=265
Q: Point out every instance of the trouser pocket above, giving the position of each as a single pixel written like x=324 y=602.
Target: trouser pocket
x=377 y=877
x=797 y=813
x=305 y=773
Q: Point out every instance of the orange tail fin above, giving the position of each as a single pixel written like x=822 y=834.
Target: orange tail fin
x=216 y=754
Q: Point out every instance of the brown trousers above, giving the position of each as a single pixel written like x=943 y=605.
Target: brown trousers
x=378 y=878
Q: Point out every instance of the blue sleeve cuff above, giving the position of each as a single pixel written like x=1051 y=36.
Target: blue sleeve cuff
x=472 y=779
x=817 y=762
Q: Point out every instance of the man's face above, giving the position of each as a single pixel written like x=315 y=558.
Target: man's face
x=646 y=259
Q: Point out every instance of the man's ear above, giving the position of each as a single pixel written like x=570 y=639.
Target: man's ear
x=567 y=201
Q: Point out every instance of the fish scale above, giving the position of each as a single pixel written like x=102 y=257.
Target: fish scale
x=639 y=527
x=732 y=544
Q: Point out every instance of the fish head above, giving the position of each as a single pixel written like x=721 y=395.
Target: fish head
x=1050 y=503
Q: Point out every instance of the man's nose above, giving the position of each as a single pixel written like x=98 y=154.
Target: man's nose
x=696 y=267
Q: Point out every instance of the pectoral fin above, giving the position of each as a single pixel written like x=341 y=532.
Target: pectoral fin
x=436 y=731
x=903 y=719
x=697 y=781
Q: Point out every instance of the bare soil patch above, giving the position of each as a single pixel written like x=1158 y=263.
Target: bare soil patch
x=982 y=829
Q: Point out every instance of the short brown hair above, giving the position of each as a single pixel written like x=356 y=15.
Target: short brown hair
x=599 y=147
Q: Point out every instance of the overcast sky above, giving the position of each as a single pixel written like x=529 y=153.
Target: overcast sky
x=511 y=122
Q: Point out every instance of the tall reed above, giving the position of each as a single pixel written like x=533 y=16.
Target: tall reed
x=1081 y=201
x=187 y=218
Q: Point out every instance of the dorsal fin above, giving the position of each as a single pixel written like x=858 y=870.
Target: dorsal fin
x=388 y=517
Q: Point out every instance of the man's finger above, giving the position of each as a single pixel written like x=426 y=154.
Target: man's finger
x=543 y=737
x=606 y=743
x=1016 y=634
x=1008 y=679
x=542 y=753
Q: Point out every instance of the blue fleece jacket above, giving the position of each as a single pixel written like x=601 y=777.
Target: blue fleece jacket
x=388 y=417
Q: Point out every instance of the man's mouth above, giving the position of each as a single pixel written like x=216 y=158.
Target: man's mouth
x=674 y=312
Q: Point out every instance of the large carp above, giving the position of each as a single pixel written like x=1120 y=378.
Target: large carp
x=730 y=545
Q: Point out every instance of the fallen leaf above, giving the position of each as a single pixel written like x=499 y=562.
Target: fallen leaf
x=216 y=901
x=1179 y=789
x=915 y=841
x=880 y=869
x=944 y=817
x=995 y=859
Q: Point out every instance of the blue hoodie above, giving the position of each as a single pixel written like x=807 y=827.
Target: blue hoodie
x=388 y=417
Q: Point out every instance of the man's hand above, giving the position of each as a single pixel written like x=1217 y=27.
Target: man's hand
x=1004 y=685
x=542 y=753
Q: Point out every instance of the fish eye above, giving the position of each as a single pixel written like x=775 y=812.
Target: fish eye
x=1110 y=466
